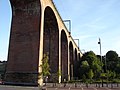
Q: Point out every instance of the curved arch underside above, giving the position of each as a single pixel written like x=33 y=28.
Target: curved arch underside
x=51 y=41
x=71 y=60
x=64 y=55
x=75 y=68
x=75 y=54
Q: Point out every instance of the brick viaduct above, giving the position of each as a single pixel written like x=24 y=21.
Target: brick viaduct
x=37 y=28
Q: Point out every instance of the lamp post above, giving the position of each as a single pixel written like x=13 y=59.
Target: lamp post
x=100 y=57
x=100 y=49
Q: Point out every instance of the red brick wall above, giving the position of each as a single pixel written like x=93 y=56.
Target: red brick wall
x=24 y=38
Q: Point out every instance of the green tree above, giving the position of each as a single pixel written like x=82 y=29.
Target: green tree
x=90 y=74
x=84 y=78
x=84 y=68
x=113 y=61
x=45 y=67
x=85 y=64
x=111 y=75
x=89 y=58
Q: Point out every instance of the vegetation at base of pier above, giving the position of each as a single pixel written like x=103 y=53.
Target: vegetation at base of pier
x=45 y=67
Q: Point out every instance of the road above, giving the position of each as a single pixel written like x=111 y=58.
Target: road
x=6 y=87
x=60 y=87
x=91 y=88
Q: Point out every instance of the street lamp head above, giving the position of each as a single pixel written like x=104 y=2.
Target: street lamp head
x=98 y=42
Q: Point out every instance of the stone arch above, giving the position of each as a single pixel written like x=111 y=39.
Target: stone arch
x=24 y=42
x=76 y=54
x=51 y=40
x=71 y=59
x=75 y=63
x=64 y=55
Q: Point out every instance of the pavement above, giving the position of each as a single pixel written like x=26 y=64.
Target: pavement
x=7 y=87
x=61 y=87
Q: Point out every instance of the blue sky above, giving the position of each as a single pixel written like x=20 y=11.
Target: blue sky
x=90 y=19
x=5 y=22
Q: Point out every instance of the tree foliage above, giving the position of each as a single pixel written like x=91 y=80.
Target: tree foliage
x=91 y=64
x=113 y=61
x=90 y=74
x=45 y=66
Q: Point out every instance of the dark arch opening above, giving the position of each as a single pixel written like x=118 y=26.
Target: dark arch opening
x=24 y=42
x=75 y=64
x=75 y=54
x=51 y=41
x=64 y=55
x=78 y=56
x=71 y=60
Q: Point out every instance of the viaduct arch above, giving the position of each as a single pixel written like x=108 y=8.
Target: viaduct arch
x=51 y=40
x=64 y=55
x=37 y=28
